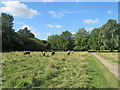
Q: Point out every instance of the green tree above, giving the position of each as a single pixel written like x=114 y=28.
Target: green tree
x=25 y=33
x=66 y=41
x=10 y=39
x=34 y=44
x=117 y=37
x=107 y=36
x=21 y=40
x=61 y=42
x=81 y=38
x=53 y=40
x=93 y=40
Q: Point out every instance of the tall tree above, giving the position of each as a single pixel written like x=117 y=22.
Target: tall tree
x=93 y=40
x=61 y=42
x=107 y=35
x=21 y=40
x=81 y=38
x=53 y=40
x=117 y=37
x=10 y=39
x=66 y=40
x=26 y=33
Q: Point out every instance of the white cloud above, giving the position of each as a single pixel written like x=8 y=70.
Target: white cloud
x=51 y=26
x=54 y=26
x=25 y=26
x=59 y=14
x=48 y=34
x=56 y=15
x=51 y=12
x=58 y=26
x=109 y=11
x=77 y=0
x=38 y=34
x=48 y=0
x=18 y=9
x=90 y=21
x=32 y=30
x=87 y=28
x=44 y=39
x=73 y=32
x=19 y=23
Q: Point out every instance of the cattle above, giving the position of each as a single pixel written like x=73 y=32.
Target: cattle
x=43 y=53
x=68 y=52
x=14 y=61
x=53 y=52
x=27 y=52
x=88 y=50
x=72 y=51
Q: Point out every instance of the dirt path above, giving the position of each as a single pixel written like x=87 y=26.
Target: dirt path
x=112 y=67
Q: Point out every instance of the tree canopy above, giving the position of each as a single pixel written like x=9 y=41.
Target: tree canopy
x=21 y=40
x=81 y=38
x=106 y=37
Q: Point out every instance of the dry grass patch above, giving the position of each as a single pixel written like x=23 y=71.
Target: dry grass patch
x=112 y=56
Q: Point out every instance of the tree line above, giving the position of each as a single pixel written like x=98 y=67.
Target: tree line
x=106 y=37
x=20 y=40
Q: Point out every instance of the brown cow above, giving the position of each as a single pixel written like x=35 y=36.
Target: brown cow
x=72 y=51
x=43 y=53
x=68 y=52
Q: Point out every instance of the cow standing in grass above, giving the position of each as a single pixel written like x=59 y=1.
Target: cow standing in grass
x=88 y=50
x=53 y=52
x=43 y=53
x=68 y=52
x=72 y=51
x=27 y=52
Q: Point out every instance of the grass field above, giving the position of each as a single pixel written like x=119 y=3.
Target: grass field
x=79 y=70
x=112 y=56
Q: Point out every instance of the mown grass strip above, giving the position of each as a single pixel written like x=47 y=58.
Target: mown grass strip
x=101 y=76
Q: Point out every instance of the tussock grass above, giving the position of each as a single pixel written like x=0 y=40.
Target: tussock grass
x=58 y=71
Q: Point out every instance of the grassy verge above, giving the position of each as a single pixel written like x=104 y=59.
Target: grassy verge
x=100 y=75
x=112 y=56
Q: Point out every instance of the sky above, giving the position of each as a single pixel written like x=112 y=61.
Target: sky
x=48 y=18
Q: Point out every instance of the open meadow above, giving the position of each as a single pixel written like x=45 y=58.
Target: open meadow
x=37 y=37
x=79 y=70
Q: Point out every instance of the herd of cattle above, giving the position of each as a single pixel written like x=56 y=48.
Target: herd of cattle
x=43 y=53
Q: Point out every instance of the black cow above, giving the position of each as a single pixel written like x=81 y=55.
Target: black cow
x=43 y=53
x=53 y=52
x=68 y=53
